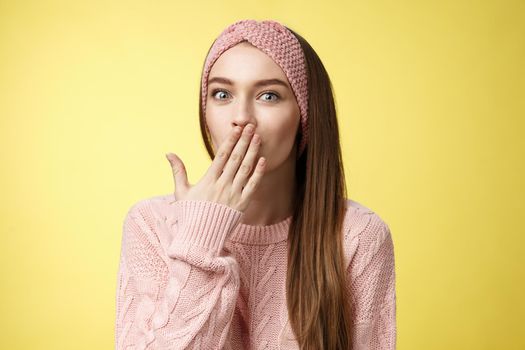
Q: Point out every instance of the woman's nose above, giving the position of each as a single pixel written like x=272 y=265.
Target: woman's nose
x=243 y=116
x=244 y=125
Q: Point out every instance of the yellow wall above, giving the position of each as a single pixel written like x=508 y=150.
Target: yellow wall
x=430 y=96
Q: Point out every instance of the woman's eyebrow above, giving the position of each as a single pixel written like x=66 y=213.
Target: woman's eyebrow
x=258 y=83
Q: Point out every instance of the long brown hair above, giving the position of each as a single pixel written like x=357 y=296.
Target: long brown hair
x=315 y=282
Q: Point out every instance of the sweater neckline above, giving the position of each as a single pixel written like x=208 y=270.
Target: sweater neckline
x=261 y=234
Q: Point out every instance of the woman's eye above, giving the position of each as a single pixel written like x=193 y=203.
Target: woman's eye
x=271 y=93
x=223 y=93
x=216 y=91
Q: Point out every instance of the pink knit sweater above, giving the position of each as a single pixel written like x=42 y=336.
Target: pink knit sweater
x=193 y=276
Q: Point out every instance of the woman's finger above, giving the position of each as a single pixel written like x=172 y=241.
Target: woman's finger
x=223 y=153
x=248 y=164
x=254 y=180
x=237 y=155
x=180 y=177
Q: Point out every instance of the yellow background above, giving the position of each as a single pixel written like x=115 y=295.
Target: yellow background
x=431 y=102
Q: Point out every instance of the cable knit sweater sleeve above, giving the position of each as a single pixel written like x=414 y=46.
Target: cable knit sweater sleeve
x=176 y=289
x=372 y=276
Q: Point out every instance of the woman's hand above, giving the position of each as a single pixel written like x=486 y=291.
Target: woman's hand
x=225 y=182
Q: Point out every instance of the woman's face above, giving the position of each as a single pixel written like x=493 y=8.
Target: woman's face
x=234 y=98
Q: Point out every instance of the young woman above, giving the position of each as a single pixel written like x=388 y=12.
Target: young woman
x=265 y=251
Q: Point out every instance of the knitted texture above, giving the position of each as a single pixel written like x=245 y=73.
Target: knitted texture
x=192 y=276
x=279 y=44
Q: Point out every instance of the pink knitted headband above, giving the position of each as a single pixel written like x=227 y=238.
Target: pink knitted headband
x=279 y=44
